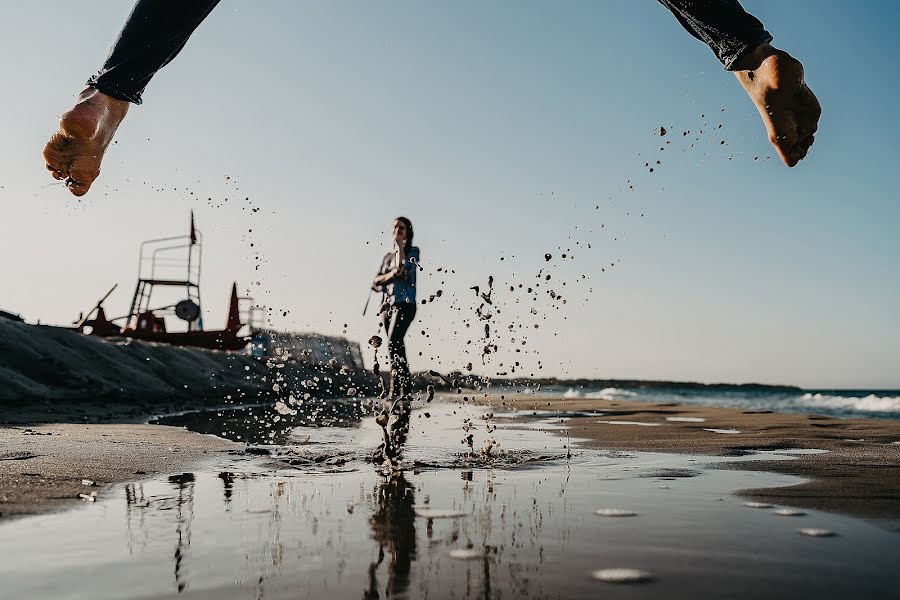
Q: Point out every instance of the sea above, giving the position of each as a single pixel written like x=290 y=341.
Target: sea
x=878 y=404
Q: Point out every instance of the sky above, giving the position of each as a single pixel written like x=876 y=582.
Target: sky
x=505 y=130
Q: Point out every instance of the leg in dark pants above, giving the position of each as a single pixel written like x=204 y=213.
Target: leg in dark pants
x=154 y=34
x=396 y=322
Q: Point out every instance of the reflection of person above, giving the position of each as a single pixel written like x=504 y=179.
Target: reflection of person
x=393 y=527
x=397 y=280
x=157 y=30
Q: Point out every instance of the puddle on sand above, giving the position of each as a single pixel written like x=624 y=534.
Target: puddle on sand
x=250 y=530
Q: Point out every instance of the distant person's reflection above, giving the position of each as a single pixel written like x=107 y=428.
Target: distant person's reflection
x=184 y=515
x=394 y=529
x=227 y=487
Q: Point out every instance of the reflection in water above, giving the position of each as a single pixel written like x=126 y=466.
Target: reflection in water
x=393 y=525
x=141 y=511
x=227 y=487
x=184 y=516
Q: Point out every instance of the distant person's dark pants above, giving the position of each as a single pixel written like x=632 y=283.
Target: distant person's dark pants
x=396 y=322
x=157 y=30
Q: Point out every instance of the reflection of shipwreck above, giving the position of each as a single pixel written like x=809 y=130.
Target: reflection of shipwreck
x=146 y=320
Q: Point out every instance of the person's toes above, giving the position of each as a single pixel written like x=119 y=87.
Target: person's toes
x=804 y=145
x=81 y=178
x=785 y=148
x=55 y=156
x=77 y=187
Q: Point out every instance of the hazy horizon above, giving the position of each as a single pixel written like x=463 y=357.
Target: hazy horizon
x=505 y=131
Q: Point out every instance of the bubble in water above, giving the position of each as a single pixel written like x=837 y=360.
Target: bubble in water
x=622 y=575
x=614 y=512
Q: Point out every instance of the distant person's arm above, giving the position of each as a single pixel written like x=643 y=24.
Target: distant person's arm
x=771 y=77
x=154 y=34
x=386 y=274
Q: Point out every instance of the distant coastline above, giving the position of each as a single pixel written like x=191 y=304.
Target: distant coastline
x=644 y=384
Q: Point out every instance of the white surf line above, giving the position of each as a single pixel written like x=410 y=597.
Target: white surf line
x=686 y=419
x=641 y=423
x=722 y=430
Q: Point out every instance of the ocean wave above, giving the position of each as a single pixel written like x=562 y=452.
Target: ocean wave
x=609 y=393
x=870 y=403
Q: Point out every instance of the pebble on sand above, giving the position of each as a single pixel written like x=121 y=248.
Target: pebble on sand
x=816 y=532
x=622 y=575
x=789 y=512
x=686 y=419
x=758 y=505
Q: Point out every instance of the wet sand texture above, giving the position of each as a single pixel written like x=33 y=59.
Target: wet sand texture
x=860 y=475
x=45 y=468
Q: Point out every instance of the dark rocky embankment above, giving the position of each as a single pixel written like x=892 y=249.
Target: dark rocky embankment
x=50 y=374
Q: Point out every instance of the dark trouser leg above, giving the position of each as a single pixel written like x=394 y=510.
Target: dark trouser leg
x=723 y=25
x=396 y=323
x=155 y=32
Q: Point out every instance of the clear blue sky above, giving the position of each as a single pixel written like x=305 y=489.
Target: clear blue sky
x=497 y=127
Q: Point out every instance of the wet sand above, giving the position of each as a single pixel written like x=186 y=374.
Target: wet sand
x=859 y=475
x=42 y=467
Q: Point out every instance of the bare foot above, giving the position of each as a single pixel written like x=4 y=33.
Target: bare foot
x=74 y=152
x=774 y=80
